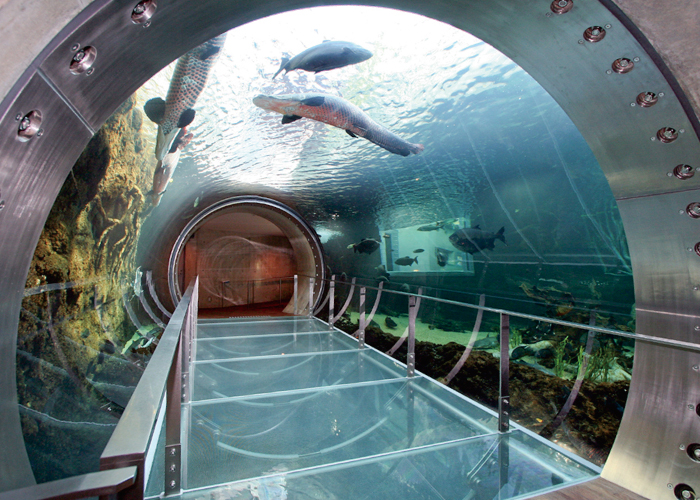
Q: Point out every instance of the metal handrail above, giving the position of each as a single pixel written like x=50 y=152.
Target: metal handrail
x=103 y=483
x=132 y=438
x=688 y=346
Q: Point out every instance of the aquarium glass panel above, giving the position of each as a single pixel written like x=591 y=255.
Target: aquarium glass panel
x=497 y=201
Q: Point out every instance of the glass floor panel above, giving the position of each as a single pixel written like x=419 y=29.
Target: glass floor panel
x=329 y=421
x=497 y=467
x=221 y=379
x=274 y=344
x=231 y=328
x=244 y=437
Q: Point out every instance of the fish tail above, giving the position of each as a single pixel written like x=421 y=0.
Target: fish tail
x=416 y=259
x=416 y=148
x=285 y=60
x=500 y=236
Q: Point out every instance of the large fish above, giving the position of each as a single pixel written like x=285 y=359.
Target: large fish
x=475 y=239
x=189 y=78
x=338 y=112
x=328 y=55
x=166 y=167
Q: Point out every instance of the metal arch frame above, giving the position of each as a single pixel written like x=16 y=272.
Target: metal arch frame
x=646 y=456
x=313 y=243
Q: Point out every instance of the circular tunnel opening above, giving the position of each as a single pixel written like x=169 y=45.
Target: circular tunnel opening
x=247 y=251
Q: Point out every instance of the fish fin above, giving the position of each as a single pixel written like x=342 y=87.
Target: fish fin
x=416 y=148
x=209 y=52
x=290 y=118
x=155 y=109
x=285 y=60
x=500 y=236
x=416 y=259
x=351 y=134
x=314 y=101
x=186 y=118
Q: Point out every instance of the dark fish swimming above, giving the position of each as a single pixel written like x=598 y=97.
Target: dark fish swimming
x=337 y=112
x=406 y=261
x=325 y=56
x=419 y=250
x=431 y=227
x=189 y=78
x=475 y=239
x=442 y=255
x=366 y=245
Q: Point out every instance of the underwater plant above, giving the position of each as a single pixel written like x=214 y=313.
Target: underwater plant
x=601 y=363
x=559 y=352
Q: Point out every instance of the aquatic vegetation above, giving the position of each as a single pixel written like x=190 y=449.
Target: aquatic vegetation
x=559 y=352
x=516 y=338
x=601 y=363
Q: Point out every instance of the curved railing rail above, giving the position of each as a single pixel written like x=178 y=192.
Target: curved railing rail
x=161 y=390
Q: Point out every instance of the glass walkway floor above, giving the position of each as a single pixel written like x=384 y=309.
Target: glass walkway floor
x=285 y=408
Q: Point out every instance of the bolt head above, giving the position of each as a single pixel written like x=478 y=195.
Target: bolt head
x=609 y=72
x=172 y=484
x=18 y=116
x=75 y=47
x=697 y=367
x=636 y=59
x=681 y=447
x=146 y=24
x=608 y=26
x=691 y=407
x=580 y=42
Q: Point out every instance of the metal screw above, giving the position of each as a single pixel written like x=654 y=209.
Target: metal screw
x=79 y=56
x=653 y=138
x=40 y=132
x=18 y=116
x=697 y=367
x=172 y=451
x=139 y=9
x=691 y=407
x=689 y=249
x=90 y=71
x=696 y=288
x=633 y=104
x=624 y=63
x=608 y=26
x=669 y=486
x=173 y=467
x=580 y=42
x=686 y=494
x=24 y=125
x=681 y=447
x=75 y=47
x=681 y=212
x=2 y=204
x=146 y=24
x=682 y=131
x=609 y=72
x=668 y=174
x=172 y=483
x=661 y=94
x=548 y=14
x=696 y=452
x=636 y=59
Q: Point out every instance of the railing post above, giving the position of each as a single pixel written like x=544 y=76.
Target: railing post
x=361 y=333
x=311 y=297
x=296 y=291
x=411 y=357
x=172 y=423
x=503 y=390
x=331 y=302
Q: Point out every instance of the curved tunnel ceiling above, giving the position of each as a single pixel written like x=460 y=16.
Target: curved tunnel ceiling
x=626 y=140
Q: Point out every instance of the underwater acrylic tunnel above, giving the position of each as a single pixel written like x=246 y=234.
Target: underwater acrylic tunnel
x=565 y=161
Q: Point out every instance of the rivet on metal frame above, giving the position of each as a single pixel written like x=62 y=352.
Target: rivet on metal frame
x=144 y=10
x=562 y=6
x=647 y=99
x=684 y=492
x=694 y=452
x=693 y=210
x=667 y=134
x=594 y=34
x=683 y=172
x=697 y=248
x=29 y=125
x=83 y=60
x=622 y=65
